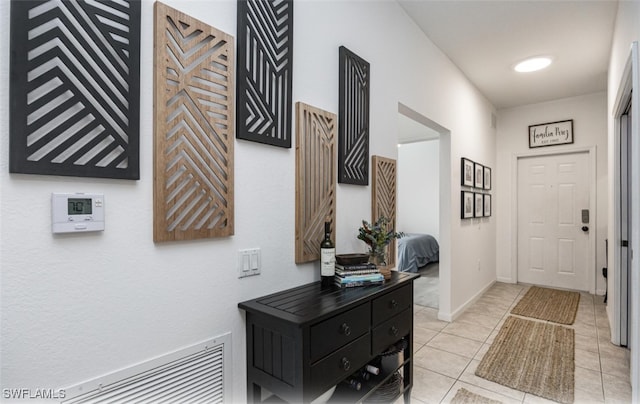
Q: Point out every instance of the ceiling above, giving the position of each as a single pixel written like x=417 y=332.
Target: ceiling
x=486 y=38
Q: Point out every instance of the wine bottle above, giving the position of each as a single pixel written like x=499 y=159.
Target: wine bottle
x=327 y=258
x=372 y=369
x=354 y=384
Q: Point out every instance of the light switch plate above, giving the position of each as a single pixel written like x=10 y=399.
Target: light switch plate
x=248 y=262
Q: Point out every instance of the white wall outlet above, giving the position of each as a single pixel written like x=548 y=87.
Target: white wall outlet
x=248 y=262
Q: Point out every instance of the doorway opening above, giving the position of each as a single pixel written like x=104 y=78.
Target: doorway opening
x=423 y=202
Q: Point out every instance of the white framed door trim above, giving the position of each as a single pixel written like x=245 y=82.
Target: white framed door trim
x=591 y=259
x=629 y=89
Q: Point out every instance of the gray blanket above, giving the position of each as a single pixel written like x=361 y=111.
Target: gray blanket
x=416 y=250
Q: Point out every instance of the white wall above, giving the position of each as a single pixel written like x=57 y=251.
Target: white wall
x=75 y=307
x=419 y=188
x=627 y=30
x=590 y=129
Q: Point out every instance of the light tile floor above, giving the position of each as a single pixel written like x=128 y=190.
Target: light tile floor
x=447 y=354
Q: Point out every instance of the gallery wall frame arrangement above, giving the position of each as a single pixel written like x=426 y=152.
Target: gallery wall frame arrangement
x=353 y=118
x=193 y=128
x=315 y=179
x=75 y=88
x=475 y=176
x=265 y=67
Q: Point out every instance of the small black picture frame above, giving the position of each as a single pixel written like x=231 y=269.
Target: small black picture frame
x=466 y=172
x=466 y=205
x=478 y=181
x=487 y=178
x=487 y=205
x=478 y=204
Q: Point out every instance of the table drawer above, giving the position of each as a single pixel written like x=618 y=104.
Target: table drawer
x=391 y=330
x=389 y=305
x=335 y=367
x=337 y=331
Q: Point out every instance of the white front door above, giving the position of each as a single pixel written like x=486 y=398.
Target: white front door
x=553 y=230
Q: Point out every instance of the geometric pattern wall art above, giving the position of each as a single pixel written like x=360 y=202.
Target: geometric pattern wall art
x=315 y=179
x=193 y=131
x=383 y=197
x=353 y=126
x=265 y=66
x=74 y=88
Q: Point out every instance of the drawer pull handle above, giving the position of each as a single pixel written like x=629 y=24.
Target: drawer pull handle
x=346 y=365
x=346 y=330
x=393 y=330
x=393 y=303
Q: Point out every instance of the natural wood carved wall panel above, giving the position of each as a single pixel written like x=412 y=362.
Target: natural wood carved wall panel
x=353 y=128
x=315 y=179
x=75 y=88
x=265 y=67
x=383 y=197
x=193 y=140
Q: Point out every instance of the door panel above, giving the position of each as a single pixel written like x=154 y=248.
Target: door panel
x=552 y=247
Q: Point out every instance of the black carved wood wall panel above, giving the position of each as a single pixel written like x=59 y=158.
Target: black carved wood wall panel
x=265 y=56
x=74 y=92
x=353 y=121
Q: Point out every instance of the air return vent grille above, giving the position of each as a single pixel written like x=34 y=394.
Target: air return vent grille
x=194 y=374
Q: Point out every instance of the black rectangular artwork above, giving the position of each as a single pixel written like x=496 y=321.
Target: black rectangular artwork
x=353 y=119
x=264 y=72
x=74 y=92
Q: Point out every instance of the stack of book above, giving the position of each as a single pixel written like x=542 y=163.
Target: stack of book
x=348 y=276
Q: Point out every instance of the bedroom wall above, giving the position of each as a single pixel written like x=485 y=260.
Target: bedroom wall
x=73 y=308
x=589 y=116
x=419 y=188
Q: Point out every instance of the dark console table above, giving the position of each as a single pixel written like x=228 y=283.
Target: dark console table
x=303 y=341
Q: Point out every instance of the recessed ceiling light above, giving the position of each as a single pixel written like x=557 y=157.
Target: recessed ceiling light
x=533 y=64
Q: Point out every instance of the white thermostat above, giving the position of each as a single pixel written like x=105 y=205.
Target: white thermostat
x=79 y=212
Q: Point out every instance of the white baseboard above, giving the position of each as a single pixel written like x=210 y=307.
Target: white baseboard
x=506 y=280
x=458 y=312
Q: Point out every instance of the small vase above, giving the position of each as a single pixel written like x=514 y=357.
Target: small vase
x=380 y=262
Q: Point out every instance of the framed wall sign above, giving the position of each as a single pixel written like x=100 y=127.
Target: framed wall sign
x=466 y=205
x=478 y=204
x=551 y=134
x=479 y=175
x=466 y=172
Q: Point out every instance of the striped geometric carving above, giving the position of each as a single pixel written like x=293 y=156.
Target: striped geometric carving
x=193 y=141
x=74 y=96
x=383 y=197
x=315 y=179
x=353 y=128
x=265 y=55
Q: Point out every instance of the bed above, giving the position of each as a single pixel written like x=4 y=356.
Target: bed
x=416 y=250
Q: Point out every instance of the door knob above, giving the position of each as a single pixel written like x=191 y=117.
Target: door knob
x=585 y=228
